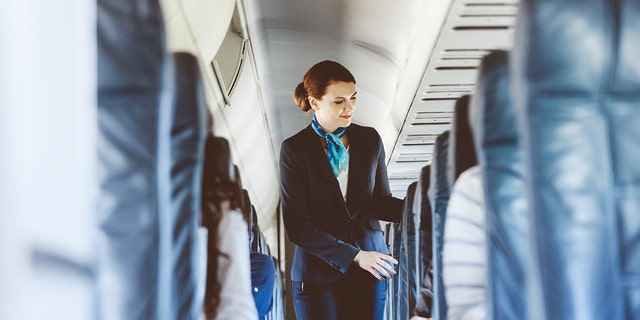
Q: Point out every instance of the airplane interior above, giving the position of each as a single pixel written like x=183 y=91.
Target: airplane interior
x=509 y=131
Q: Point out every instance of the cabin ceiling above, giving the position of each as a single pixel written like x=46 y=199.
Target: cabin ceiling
x=376 y=41
x=471 y=30
x=373 y=41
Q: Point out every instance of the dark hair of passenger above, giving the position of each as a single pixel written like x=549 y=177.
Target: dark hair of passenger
x=317 y=79
x=218 y=186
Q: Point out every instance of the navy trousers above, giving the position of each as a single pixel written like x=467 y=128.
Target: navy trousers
x=357 y=295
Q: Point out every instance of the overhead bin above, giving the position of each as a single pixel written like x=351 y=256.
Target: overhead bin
x=197 y=26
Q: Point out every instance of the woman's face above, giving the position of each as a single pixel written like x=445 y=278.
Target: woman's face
x=336 y=107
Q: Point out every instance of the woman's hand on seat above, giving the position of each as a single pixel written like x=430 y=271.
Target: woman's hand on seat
x=378 y=264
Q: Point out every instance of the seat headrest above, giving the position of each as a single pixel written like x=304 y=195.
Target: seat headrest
x=462 y=154
x=425 y=204
x=439 y=182
x=492 y=115
x=579 y=47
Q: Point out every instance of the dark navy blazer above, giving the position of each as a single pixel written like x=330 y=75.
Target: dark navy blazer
x=328 y=231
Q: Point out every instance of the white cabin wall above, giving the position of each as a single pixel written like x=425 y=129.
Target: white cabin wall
x=48 y=111
x=199 y=27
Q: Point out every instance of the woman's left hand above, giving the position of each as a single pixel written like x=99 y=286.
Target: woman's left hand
x=378 y=264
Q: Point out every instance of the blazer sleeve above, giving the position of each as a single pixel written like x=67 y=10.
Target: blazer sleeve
x=387 y=207
x=300 y=230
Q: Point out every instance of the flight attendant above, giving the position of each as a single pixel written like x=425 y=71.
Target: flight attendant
x=334 y=190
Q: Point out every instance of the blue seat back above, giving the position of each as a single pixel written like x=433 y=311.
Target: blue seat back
x=439 y=190
x=132 y=61
x=577 y=91
x=186 y=129
x=424 y=300
x=407 y=273
x=495 y=132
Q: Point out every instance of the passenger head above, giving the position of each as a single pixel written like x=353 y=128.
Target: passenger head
x=219 y=183
x=220 y=193
x=328 y=89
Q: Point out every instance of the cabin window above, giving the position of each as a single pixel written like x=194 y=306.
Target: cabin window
x=230 y=57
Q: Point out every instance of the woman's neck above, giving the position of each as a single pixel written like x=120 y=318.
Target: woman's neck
x=327 y=129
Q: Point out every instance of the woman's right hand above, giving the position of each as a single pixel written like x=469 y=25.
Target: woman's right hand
x=378 y=264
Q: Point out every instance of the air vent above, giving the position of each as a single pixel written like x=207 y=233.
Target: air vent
x=419 y=139
x=445 y=95
x=430 y=118
x=480 y=28
x=437 y=88
x=486 y=15
x=440 y=99
x=457 y=68
x=489 y=9
x=457 y=54
x=413 y=157
x=489 y=4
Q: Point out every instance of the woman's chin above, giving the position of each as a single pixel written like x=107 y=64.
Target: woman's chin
x=345 y=122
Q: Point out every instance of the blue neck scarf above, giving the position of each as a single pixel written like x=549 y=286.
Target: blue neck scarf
x=336 y=152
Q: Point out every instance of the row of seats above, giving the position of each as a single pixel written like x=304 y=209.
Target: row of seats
x=258 y=244
x=552 y=131
x=223 y=177
x=153 y=126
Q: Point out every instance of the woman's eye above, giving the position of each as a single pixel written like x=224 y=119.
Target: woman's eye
x=338 y=102
x=353 y=98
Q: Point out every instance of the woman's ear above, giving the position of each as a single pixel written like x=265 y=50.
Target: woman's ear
x=314 y=103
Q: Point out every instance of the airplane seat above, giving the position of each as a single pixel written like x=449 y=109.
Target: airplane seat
x=425 y=228
x=252 y=217
x=392 y=283
x=576 y=85
x=256 y=232
x=439 y=190
x=407 y=289
x=263 y=277
x=493 y=123
x=180 y=219
x=124 y=173
x=393 y=297
x=424 y=299
x=277 y=309
x=462 y=154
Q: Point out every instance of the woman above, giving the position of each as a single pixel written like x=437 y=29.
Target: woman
x=228 y=277
x=334 y=188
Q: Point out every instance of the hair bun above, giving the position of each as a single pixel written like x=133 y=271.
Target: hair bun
x=300 y=97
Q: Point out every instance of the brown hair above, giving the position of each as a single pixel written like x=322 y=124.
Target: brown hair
x=218 y=185
x=317 y=79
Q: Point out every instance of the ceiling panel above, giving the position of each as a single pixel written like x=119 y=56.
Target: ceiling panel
x=471 y=30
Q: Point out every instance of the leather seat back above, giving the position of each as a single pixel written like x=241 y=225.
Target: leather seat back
x=439 y=190
x=495 y=133
x=577 y=88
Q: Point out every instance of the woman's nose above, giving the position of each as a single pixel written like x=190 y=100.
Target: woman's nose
x=351 y=104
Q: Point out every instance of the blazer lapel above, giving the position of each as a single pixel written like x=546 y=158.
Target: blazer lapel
x=322 y=164
x=355 y=170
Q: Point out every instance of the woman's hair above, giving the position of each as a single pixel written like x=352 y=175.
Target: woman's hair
x=317 y=79
x=218 y=185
